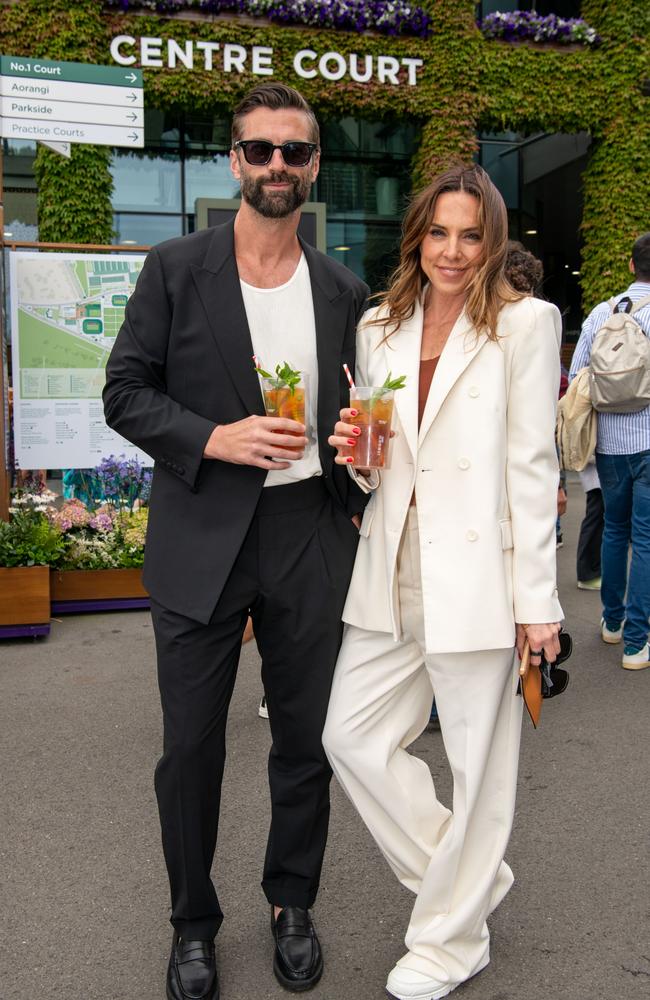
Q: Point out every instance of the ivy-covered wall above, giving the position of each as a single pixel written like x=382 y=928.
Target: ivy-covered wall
x=467 y=83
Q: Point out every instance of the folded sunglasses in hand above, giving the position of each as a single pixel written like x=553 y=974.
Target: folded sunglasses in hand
x=554 y=680
x=537 y=683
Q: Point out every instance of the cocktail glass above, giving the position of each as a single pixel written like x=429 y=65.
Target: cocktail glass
x=291 y=403
x=374 y=407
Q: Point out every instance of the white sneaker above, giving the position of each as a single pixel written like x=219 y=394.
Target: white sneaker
x=610 y=635
x=407 y=984
x=637 y=661
x=263 y=711
x=589 y=584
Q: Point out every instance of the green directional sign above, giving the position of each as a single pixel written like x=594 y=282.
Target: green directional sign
x=48 y=70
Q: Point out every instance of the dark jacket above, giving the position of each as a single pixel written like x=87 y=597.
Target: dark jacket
x=181 y=364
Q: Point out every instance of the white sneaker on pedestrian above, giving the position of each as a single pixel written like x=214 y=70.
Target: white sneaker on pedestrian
x=407 y=984
x=263 y=711
x=589 y=584
x=638 y=660
x=610 y=635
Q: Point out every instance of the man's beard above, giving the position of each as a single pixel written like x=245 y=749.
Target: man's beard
x=275 y=204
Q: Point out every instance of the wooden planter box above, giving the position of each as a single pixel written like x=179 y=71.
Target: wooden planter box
x=24 y=601
x=97 y=590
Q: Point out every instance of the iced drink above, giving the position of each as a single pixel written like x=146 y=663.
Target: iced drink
x=374 y=414
x=288 y=403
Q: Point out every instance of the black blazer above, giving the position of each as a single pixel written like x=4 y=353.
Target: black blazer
x=181 y=364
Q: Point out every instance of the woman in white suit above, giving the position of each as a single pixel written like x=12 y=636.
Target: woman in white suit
x=455 y=566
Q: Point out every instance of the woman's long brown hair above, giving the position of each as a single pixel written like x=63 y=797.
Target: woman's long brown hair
x=489 y=290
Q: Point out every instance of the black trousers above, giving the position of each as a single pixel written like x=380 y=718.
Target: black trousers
x=591 y=537
x=292 y=574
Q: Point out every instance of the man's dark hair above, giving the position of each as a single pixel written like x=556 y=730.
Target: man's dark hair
x=641 y=257
x=275 y=97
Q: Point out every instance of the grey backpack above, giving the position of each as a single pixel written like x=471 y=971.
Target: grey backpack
x=619 y=368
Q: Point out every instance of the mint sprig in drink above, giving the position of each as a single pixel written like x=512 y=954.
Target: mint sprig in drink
x=390 y=385
x=285 y=395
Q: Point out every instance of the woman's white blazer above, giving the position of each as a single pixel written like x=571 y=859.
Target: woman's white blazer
x=484 y=470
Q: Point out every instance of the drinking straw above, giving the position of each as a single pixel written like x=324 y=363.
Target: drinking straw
x=350 y=379
x=256 y=361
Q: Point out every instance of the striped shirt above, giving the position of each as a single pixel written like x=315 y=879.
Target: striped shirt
x=618 y=433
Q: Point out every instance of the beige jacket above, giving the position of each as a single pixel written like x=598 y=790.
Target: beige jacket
x=485 y=474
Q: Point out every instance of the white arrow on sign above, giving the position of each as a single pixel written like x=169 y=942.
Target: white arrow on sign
x=59 y=147
x=64 y=131
x=62 y=90
x=43 y=110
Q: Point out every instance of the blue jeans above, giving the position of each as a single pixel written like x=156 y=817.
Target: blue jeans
x=625 y=485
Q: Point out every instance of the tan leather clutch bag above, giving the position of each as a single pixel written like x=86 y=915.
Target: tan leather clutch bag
x=531 y=685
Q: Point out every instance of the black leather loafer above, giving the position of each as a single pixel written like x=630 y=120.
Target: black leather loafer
x=192 y=972
x=298 y=962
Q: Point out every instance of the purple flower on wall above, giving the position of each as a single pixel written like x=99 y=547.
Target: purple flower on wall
x=522 y=25
x=390 y=17
x=123 y=481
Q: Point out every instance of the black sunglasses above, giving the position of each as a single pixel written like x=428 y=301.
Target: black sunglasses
x=259 y=152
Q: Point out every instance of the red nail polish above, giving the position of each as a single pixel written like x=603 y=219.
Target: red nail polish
x=350 y=459
x=351 y=441
x=357 y=430
x=354 y=413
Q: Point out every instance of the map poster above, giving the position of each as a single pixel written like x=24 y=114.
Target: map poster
x=66 y=310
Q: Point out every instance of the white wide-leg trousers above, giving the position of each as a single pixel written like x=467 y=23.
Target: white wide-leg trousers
x=380 y=702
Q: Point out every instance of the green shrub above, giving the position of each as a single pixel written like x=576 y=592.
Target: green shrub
x=29 y=539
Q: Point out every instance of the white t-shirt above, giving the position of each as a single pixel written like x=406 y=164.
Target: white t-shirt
x=283 y=329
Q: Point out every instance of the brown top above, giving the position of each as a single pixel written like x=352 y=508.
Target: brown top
x=427 y=369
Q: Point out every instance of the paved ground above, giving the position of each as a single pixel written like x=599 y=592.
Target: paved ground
x=84 y=898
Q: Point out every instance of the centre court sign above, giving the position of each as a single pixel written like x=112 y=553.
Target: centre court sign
x=149 y=51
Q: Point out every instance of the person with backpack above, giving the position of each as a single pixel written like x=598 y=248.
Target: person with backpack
x=615 y=347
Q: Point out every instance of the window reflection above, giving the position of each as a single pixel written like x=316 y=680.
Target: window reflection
x=162 y=128
x=206 y=131
x=498 y=155
x=146 y=230
x=149 y=182
x=370 y=249
x=208 y=177
x=563 y=8
x=20 y=196
x=365 y=181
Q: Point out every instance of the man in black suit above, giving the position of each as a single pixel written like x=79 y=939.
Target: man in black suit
x=237 y=525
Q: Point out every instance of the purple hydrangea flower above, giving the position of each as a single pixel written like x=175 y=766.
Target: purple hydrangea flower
x=122 y=481
x=101 y=522
x=522 y=25
x=390 y=17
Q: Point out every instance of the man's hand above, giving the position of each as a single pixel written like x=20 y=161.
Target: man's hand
x=256 y=440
